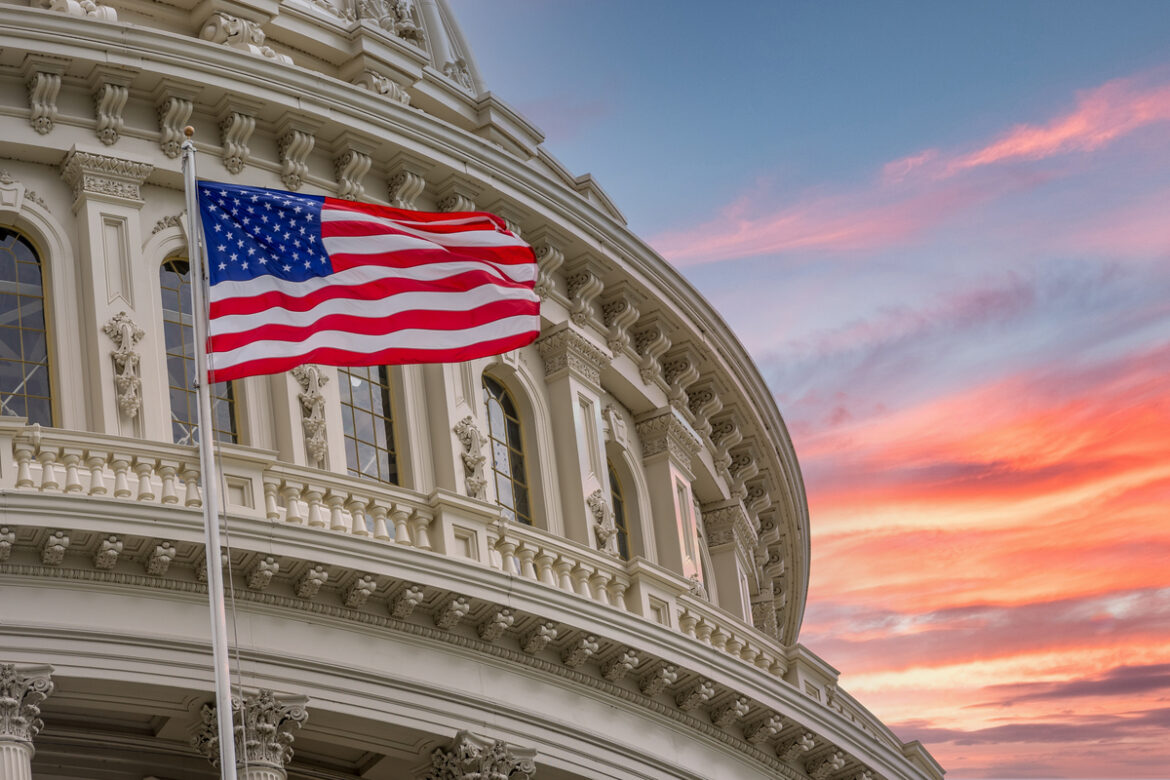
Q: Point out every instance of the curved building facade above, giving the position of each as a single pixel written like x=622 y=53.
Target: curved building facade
x=587 y=558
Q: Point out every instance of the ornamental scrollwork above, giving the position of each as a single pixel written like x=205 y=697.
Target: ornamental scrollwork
x=21 y=693
x=263 y=729
x=397 y=17
x=471 y=757
x=472 y=441
x=603 y=522
x=313 y=411
x=126 y=334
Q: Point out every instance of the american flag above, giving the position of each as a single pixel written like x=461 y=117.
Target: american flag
x=310 y=279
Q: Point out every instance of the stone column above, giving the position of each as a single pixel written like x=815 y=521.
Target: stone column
x=668 y=443
x=21 y=692
x=471 y=757
x=572 y=370
x=263 y=726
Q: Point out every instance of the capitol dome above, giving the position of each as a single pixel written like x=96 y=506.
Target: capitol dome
x=587 y=558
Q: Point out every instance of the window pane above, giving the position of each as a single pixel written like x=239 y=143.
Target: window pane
x=367 y=423
x=24 y=355
x=507 y=449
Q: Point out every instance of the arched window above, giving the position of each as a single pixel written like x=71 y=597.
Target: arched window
x=620 y=520
x=368 y=423
x=24 y=350
x=178 y=331
x=507 y=453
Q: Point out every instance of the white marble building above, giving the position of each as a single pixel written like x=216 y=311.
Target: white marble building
x=584 y=559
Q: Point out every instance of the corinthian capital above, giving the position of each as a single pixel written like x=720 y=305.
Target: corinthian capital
x=471 y=757
x=264 y=724
x=21 y=692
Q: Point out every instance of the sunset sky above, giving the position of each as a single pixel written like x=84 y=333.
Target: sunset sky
x=943 y=232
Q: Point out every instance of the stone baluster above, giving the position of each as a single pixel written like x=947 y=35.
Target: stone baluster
x=192 y=496
x=719 y=638
x=687 y=623
x=121 y=464
x=97 y=473
x=314 y=497
x=292 y=503
x=564 y=569
x=166 y=472
x=357 y=515
x=336 y=502
x=264 y=744
x=544 y=568
x=72 y=458
x=507 y=550
x=526 y=553
x=581 y=581
x=378 y=513
x=598 y=582
x=704 y=630
x=22 y=689
x=617 y=593
x=419 y=528
x=144 y=469
x=400 y=516
x=23 y=451
x=48 y=458
x=271 y=506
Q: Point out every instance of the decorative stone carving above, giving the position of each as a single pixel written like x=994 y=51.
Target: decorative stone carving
x=21 y=692
x=694 y=694
x=170 y=221
x=568 y=350
x=583 y=287
x=126 y=334
x=405 y=187
x=43 y=87
x=680 y=370
x=99 y=174
x=7 y=541
x=456 y=201
x=764 y=728
x=471 y=757
x=659 y=680
x=618 y=314
x=820 y=768
x=603 y=522
x=743 y=466
x=726 y=714
x=650 y=342
x=54 y=550
x=725 y=434
x=294 y=148
x=351 y=167
x=311 y=581
x=359 y=592
x=264 y=723
x=496 y=623
x=397 y=17
x=109 y=102
x=313 y=412
x=450 y=611
x=577 y=653
x=548 y=260
x=405 y=602
x=260 y=577
x=667 y=432
x=173 y=113
x=160 y=559
x=793 y=748
x=703 y=402
x=236 y=129
x=83 y=8
x=537 y=638
x=106 y=555
x=242 y=34
x=379 y=84
x=726 y=522
x=457 y=71
x=473 y=458
x=620 y=664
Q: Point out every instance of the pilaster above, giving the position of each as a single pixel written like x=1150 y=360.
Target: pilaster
x=107 y=201
x=572 y=369
x=22 y=689
x=731 y=540
x=668 y=444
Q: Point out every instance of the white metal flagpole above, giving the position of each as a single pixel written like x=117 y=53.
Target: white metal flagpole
x=223 y=693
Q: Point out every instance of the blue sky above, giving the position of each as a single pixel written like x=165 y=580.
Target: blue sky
x=943 y=232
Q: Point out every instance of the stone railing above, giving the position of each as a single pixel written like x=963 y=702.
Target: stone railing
x=258 y=486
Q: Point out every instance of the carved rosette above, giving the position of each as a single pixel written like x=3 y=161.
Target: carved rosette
x=667 y=432
x=99 y=174
x=568 y=350
x=472 y=441
x=126 y=334
x=603 y=522
x=21 y=692
x=471 y=757
x=264 y=723
x=313 y=411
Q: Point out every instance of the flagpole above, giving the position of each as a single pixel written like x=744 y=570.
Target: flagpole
x=219 y=646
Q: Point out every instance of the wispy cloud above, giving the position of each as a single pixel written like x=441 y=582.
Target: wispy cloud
x=923 y=190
